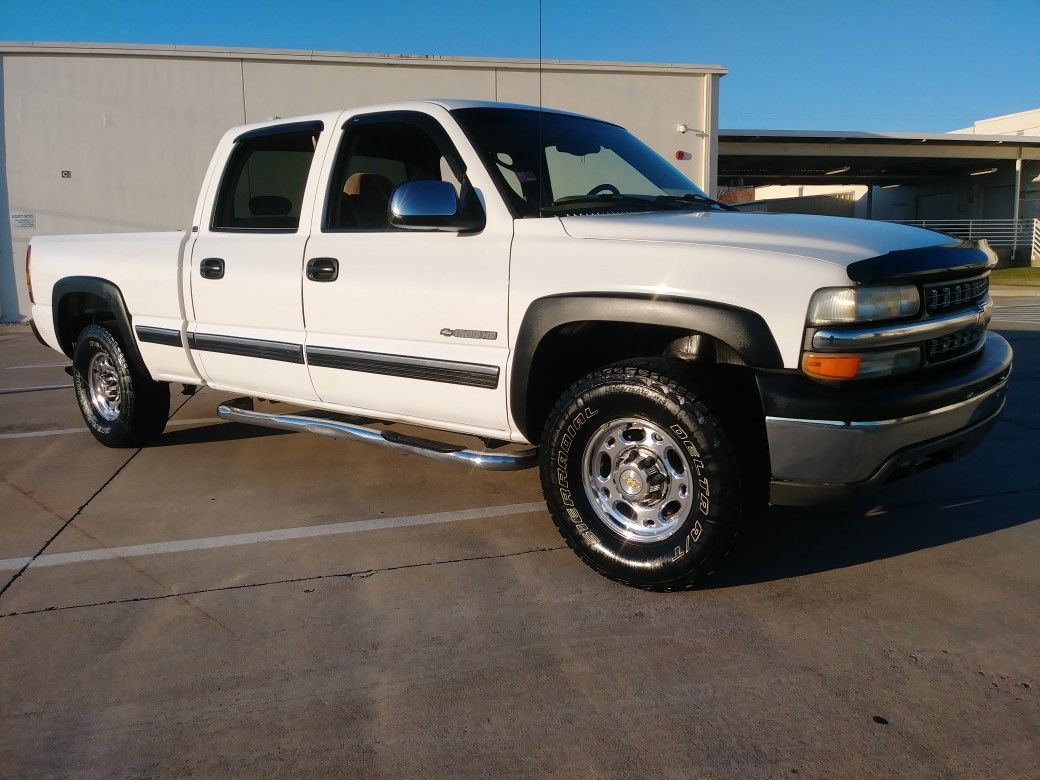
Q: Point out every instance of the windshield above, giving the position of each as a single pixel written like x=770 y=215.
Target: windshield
x=580 y=165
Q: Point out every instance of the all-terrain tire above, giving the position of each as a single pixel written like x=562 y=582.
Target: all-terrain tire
x=636 y=400
x=121 y=407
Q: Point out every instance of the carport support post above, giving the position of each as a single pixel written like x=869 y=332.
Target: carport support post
x=1015 y=207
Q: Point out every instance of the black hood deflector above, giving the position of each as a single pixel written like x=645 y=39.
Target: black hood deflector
x=930 y=262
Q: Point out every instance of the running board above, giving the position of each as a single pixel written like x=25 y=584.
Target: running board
x=241 y=410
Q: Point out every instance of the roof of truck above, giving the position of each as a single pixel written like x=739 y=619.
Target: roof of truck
x=449 y=104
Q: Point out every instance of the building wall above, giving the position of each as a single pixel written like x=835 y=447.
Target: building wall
x=134 y=127
x=829 y=199
x=965 y=197
x=1022 y=123
x=954 y=197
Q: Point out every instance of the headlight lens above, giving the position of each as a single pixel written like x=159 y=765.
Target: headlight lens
x=842 y=305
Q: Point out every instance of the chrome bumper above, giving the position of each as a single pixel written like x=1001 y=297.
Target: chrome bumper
x=815 y=460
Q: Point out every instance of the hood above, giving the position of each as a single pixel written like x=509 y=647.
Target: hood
x=835 y=239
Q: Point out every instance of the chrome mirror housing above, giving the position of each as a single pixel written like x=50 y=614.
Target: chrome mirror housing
x=429 y=205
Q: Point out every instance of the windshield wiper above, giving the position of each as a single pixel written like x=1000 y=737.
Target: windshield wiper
x=691 y=198
x=571 y=202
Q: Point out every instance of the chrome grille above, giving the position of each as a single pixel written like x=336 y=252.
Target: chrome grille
x=953 y=345
x=948 y=296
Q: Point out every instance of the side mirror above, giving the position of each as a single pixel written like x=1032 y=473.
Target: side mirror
x=430 y=205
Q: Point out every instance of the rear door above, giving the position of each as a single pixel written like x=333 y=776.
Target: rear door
x=246 y=264
x=414 y=324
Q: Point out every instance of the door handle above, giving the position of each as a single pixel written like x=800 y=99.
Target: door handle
x=212 y=268
x=323 y=269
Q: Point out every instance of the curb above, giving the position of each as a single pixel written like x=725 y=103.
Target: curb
x=1013 y=291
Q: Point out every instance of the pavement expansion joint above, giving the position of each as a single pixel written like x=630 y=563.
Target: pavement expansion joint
x=361 y=574
x=77 y=513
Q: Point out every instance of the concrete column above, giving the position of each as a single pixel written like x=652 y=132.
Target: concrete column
x=1015 y=209
x=710 y=142
x=9 y=277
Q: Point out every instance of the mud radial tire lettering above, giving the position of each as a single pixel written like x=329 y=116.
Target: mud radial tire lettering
x=641 y=478
x=121 y=407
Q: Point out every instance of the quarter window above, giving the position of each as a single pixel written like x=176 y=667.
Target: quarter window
x=264 y=182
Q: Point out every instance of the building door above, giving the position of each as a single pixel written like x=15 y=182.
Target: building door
x=997 y=202
x=940 y=206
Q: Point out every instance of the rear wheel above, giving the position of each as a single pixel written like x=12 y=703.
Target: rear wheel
x=121 y=407
x=641 y=476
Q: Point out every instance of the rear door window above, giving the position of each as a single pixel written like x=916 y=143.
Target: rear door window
x=264 y=182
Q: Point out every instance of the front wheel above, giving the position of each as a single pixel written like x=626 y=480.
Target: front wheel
x=642 y=479
x=121 y=407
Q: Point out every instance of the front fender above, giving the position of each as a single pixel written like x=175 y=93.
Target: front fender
x=744 y=331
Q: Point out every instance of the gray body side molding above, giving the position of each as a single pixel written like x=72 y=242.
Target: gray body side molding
x=744 y=331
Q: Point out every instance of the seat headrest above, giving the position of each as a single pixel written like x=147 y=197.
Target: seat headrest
x=269 y=206
x=368 y=185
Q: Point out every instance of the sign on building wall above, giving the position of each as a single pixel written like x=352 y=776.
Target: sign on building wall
x=23 y=221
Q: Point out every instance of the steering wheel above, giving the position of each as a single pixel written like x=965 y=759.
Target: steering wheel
x=603 y=188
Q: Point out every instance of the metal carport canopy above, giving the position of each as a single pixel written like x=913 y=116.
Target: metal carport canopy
x=761 y=157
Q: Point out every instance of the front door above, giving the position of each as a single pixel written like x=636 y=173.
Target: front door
x=246 y=267
x=414 y=324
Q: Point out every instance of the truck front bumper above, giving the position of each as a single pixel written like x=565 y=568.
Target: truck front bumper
x=827 y=442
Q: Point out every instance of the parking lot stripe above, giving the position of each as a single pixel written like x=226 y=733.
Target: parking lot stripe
x=67 y=431
x=9 y=390
x=40 y=365
x=277 y=535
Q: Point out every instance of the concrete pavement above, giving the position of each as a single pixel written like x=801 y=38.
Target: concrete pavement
x=449 y=632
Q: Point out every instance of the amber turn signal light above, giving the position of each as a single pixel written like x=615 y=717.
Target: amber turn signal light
x=831 y=366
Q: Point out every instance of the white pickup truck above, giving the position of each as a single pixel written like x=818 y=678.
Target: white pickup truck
x=546 y=283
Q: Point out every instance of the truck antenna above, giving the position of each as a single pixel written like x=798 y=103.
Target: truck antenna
x=542 y=169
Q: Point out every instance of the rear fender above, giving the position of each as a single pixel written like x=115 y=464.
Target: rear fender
x=113 y=298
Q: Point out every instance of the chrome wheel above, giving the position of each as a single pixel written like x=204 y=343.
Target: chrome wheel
x=637 y=479
x=103 y=386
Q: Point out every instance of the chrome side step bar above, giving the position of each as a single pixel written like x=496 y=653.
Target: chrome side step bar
x=241 y=410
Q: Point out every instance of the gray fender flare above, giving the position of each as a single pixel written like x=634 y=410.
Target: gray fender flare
x=744 y=331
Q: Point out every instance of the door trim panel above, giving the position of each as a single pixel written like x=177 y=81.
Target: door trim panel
x=429 y=369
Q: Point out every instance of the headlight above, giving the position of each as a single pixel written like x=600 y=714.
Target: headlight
x=862 y=365
x=842 y=305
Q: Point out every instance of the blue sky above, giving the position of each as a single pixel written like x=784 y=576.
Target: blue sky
x=800 y=64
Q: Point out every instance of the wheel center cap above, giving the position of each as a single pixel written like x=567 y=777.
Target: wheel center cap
x=631 y=482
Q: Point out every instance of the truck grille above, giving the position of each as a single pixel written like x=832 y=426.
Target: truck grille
x=953 y=345
x=947 y=296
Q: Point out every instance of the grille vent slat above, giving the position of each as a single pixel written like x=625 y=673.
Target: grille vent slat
x=949 y=296
x=953 y=345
